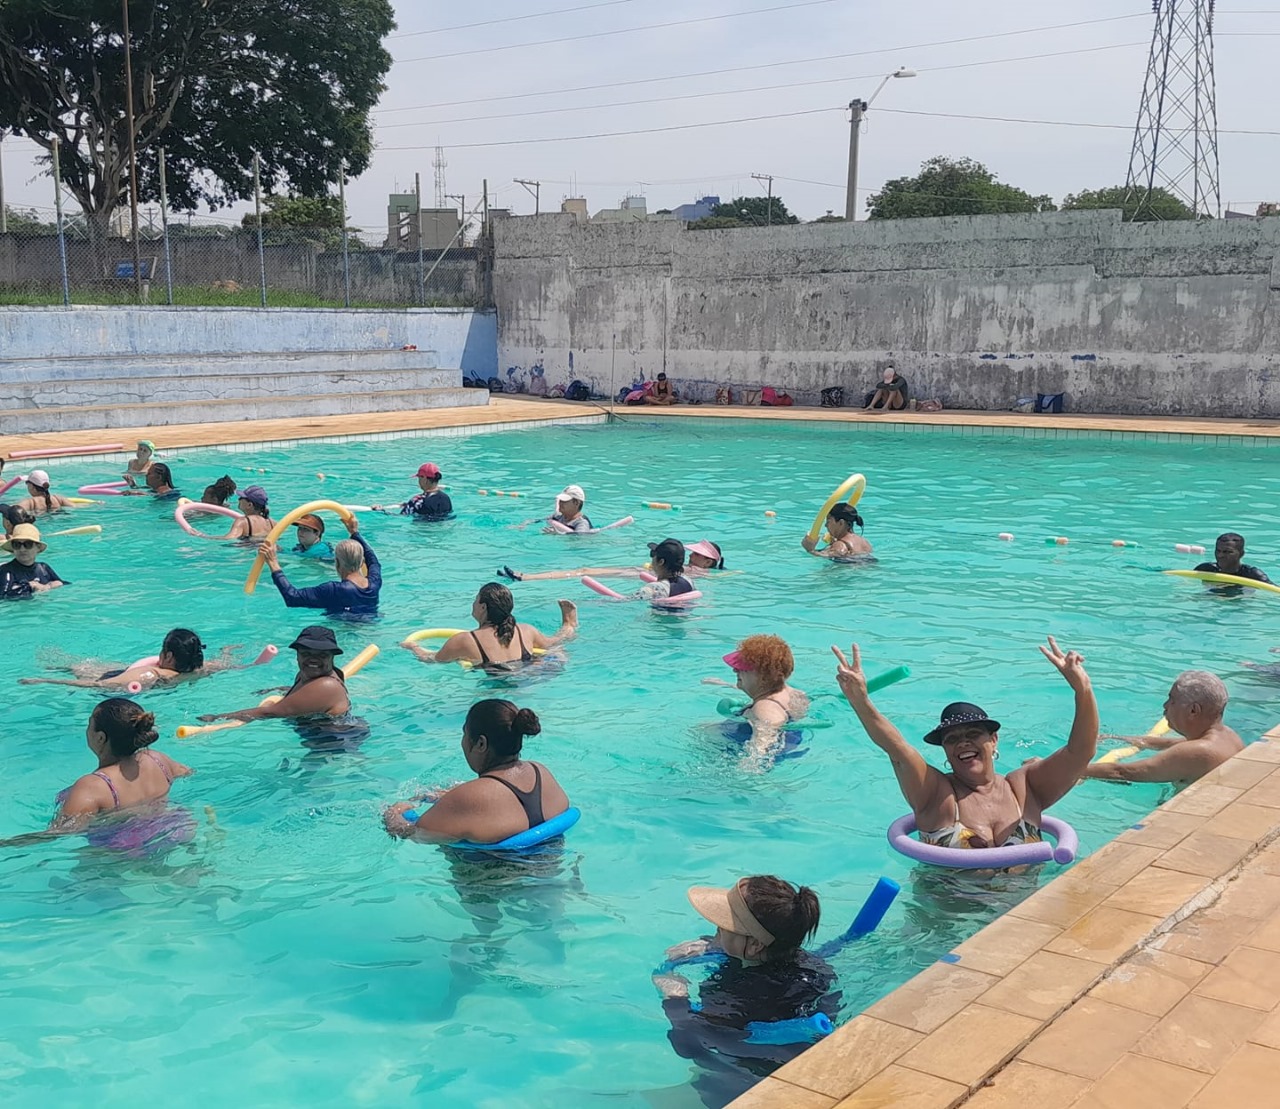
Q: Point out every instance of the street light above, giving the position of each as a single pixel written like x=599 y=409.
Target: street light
x=856 y=109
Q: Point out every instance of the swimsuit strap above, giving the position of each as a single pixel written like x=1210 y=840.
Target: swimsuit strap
x=164 y=766
x=115 y=797
x=484 y=657
x=530 y=801
x=525 y=654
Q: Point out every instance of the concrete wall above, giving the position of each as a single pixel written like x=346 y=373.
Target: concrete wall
x=1179 y=318
x=448 y=337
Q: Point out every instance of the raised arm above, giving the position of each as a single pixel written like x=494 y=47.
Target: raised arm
x=918 y=781
x=568 y=628
x=371 y=562
x=1050 y=779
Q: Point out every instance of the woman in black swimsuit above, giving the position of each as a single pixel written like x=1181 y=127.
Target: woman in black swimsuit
x=508 y=795
x=499 y=642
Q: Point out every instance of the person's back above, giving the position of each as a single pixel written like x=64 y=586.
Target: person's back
x=514 y=799
x=491 y=649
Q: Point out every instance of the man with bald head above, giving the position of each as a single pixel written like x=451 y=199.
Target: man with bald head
x=1194 y=711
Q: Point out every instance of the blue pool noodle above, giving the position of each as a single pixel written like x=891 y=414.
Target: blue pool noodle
x=797 y=1030
x=869 y=916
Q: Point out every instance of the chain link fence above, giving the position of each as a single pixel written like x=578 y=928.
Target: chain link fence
x=49 y=257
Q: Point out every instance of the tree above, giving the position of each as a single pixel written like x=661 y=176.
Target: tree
x=1268 y=208
x=27 y=221
x=951 y=187
x=287 y=220
x=746 y=211
x=830 y=217
x=1161 y=204
x=213 y=82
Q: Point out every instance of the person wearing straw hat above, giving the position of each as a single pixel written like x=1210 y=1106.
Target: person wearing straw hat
x=140 y=463
x=974 y=806
x=39 y=500
x=23 y=575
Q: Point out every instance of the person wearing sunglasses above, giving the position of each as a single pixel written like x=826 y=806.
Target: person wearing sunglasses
x=23 y=576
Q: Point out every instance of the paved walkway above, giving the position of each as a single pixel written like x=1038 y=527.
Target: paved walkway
x=518 y=409
x=1146 y=977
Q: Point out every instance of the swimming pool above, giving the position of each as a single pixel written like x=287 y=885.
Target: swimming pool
x=295 y=952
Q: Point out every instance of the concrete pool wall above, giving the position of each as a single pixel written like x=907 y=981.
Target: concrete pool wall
x=1154 y=318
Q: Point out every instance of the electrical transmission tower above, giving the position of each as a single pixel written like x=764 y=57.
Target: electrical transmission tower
x=438 y=164
x=1175 y=142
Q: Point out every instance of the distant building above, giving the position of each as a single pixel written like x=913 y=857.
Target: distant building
x=439 y=225
x=699 y=209
x=631 y=208
x=575 y=206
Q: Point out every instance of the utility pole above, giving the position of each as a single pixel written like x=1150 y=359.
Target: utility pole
x=768 y=211
x=856 y=108
x=133 y=154
x=461 y=198
x=534 y=189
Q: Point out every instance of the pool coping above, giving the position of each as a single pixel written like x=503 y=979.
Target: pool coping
x=511 y=411
x=1041 y=1002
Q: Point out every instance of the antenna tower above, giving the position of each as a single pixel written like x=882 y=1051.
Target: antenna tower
x=1175 y=142
x=438 y=164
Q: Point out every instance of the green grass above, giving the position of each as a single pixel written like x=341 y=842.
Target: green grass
x=197 y=296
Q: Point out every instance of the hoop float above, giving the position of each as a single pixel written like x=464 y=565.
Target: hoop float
x=188 y=508
x=987 y=858
x=853 y=486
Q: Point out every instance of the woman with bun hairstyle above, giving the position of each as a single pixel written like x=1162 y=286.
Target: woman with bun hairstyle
x=508 y=795
x=845 y=542
x=39 y=500
x=119 y=734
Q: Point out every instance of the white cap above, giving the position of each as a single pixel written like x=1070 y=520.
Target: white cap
x=572 y=493
x=36 y=477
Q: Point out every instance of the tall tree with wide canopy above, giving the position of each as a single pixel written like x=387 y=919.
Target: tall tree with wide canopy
x=951 y=187
x=214 y=81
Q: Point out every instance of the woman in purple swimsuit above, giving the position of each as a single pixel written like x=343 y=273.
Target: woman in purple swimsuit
x=129 y=777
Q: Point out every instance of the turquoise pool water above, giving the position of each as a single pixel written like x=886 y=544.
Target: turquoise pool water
x=294 y=953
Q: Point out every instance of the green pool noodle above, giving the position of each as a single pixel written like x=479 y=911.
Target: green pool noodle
x=880 y=681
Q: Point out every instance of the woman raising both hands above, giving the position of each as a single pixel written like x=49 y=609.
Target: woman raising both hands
x=973 y=806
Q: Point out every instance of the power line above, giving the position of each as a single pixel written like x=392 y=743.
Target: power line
x=757 y=88
x=1056 y=122
x=621 y=31
x=509 y=19
x=763 y=65
x=619 y=134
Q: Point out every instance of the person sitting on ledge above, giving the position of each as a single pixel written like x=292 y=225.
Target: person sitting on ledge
x=661 y=393
x=890 y=393
x=1194 y=711
x=1228 y=554
x=974 y=806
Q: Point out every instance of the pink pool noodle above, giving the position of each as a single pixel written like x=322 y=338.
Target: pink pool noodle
x=49 y=452
x=9 y=485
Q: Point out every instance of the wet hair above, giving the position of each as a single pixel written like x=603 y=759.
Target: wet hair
x=186 y=648
x=15 y=514
x=347 y=557
x=1231 y=537
x=790 y=913
x=163 y=473
x=1199 y=687
x=504 y=726
x=499 y=606
x=43 y=491
x=770 y=657
x=219 y=491
x=846 y=514
x=127 y=727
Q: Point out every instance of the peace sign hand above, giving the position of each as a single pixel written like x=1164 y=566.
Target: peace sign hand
x=850 y=676
x=1069 y=664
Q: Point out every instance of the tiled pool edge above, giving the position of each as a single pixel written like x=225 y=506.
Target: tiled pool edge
x=939 y=1039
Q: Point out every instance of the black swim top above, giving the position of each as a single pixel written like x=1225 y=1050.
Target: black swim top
x=680 y=585
x=525 y=654
x=531 y=802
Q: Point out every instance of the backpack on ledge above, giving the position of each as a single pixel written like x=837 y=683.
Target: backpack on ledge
x=577 y=390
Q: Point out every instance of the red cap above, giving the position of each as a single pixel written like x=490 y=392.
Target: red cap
x=428 y=469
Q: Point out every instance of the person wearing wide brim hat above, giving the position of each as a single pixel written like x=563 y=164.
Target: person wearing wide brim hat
x=319 y=689
x=973 y=805
x=23 y=575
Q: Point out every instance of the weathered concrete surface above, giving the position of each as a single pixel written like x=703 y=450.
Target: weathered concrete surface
x=1177 y=318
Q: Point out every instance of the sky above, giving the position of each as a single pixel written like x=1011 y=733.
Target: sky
x=504 y=102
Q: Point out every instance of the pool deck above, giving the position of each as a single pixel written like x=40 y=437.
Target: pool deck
x=1146 y=977
x=520 y=410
